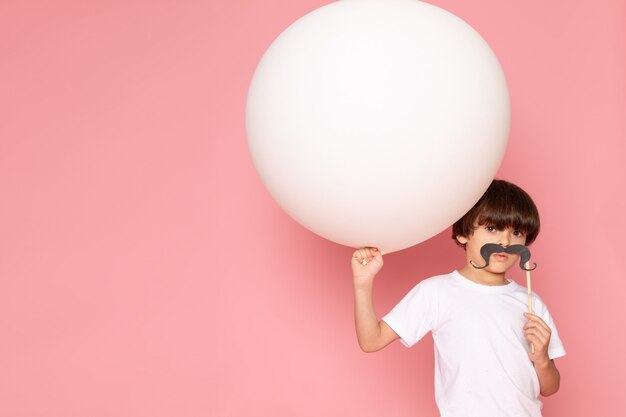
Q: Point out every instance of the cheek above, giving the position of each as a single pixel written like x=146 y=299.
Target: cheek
x=519 y=240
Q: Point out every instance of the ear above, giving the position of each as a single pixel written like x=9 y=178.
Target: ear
x=461 y=239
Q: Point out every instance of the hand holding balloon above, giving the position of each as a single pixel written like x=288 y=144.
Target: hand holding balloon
x=366 y=263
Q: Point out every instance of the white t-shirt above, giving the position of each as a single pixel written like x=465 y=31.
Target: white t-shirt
x=482 y=368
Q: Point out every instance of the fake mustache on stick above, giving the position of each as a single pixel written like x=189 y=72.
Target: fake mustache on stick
x=490 y=248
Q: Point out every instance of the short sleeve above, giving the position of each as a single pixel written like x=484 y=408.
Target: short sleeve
x=556 y=348
x=414 y=315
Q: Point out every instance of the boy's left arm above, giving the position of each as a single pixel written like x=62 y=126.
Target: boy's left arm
x=538 y=333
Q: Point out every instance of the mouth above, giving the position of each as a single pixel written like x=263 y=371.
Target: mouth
x=502 y=257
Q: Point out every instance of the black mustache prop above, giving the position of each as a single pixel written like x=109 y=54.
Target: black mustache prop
x=490 y=248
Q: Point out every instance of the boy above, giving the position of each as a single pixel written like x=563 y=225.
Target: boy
x=484 y=366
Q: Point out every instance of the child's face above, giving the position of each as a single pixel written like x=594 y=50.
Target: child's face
x=499 y=262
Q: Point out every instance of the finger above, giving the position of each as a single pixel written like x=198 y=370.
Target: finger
x=532 y=338
x=533 y=332
x=535 y=318
x=359 y=258
x=544 y=332
x=537 y=343
x=531 y=316
x=372 y=252
x=536 y=338
x=538 y=320
x=544 y=338
x=369 y=253
x=360 y=254
x=541 y=327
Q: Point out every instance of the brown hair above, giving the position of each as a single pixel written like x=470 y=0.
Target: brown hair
x=504 y=205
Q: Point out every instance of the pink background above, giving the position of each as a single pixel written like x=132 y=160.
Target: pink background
x=146 y=272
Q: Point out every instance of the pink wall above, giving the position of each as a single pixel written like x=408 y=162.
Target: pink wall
x=145 y=272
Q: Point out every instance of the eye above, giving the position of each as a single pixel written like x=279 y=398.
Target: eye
x=490 y=228
x=517 y=233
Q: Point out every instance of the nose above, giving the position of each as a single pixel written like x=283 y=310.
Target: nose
x=504 y=238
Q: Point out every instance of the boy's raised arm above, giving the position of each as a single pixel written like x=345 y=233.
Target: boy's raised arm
x=373 y=334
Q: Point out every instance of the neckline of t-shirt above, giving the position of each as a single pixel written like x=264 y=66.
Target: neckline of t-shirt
x=489 y=289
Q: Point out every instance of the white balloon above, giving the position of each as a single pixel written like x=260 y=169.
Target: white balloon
x=378 y=122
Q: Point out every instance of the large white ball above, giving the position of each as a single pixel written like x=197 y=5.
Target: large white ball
x=378 y=122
